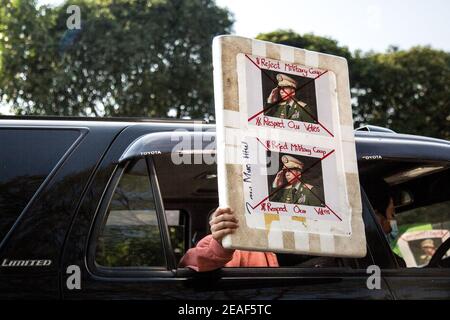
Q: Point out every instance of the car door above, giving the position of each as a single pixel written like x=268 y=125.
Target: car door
x=119 y=243
x=347 y=280
x=118 y=219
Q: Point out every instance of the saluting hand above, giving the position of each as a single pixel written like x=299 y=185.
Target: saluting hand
x=278 y=181
x=274 y=95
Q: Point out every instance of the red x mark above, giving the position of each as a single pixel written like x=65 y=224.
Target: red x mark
x=296 y=177
x=289 y=95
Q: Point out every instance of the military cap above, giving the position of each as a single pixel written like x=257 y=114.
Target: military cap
x=428 y=243
x=286 y=81
x=290 y=162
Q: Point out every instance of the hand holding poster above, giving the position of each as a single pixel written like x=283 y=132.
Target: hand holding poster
x=285 y=149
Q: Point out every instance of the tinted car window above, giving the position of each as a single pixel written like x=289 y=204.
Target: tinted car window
x=131 y=236
x=26 y=159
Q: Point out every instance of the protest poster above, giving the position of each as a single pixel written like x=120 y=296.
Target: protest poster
x=285 y=149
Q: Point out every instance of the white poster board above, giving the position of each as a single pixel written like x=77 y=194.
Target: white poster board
x=286 y=150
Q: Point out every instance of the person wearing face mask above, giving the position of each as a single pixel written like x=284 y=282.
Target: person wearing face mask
x=380 y=197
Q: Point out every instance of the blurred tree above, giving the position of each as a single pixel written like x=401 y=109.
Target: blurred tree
x=406 y=90
x=307 y=41
x=130 y=57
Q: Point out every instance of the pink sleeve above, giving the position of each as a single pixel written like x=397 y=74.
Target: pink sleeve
x=207 y=255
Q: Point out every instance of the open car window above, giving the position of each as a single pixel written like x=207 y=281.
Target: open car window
x=422 y=207
x=423 y=218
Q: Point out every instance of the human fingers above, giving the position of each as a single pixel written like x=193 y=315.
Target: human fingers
x=222 y=233
x=224 y=225
x=219 y=211
x=224 y=217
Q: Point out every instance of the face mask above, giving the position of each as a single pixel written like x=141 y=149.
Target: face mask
x=394 y=230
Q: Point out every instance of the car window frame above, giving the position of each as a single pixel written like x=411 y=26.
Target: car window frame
x=100 y=220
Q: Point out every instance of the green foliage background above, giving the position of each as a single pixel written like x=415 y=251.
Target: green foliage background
x=130 y=58
x=147 y=57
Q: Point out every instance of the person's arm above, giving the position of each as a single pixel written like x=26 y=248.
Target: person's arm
x=209 y=253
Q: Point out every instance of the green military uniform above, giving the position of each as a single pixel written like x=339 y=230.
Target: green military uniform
x=425 y=259
x=290 y=110
x=298 y=194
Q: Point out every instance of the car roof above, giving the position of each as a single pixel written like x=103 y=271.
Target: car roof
x=373 y=143
x=370 y=145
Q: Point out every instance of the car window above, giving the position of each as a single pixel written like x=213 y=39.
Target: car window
x=418 y=220
x=25 y=164
x=131 y=236
x=421 y=231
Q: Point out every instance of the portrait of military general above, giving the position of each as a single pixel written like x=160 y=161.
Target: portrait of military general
x=289 y=97
x=291 y=186
x=424 y=249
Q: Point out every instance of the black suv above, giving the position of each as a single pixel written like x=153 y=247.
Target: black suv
x=107 y=198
